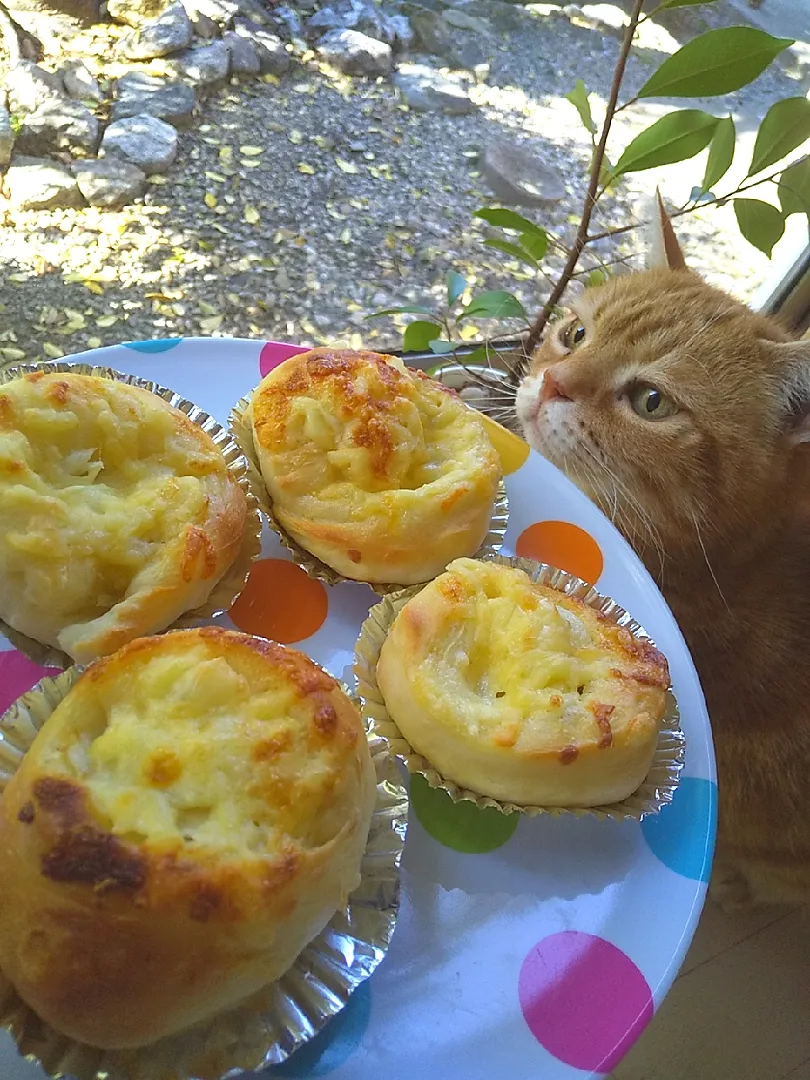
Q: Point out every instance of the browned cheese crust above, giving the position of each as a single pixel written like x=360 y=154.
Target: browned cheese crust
x=190 y=816
x=365 y=460
x=519 y=692
x=119 y=513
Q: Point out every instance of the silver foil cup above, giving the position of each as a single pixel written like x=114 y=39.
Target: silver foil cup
x=272 y=1024
x=662 y=779
x=235 y=577
x=241 y=429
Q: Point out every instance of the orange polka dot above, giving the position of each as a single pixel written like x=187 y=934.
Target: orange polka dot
x=511 y=450
x=280 y=602
x=566 y=546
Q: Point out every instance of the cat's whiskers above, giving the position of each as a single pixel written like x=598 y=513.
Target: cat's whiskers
x=644 y=519
x=708 y=563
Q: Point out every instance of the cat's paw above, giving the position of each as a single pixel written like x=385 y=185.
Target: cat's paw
x=730 y=890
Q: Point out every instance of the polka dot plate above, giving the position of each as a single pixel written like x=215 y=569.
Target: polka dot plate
x=526 y=948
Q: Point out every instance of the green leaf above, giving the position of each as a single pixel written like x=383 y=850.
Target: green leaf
x=668 y=4
x=480 y=355
x=419 y=334
x=786 y=126
x=760 y=223
x=579 y=99
x=721 y=153
x=675 y=137
x=508 y=219
x=717 y=62
x=607 y=177
x=495 y=304
x=409 y=309
x=514 y=250
x=794 y=188
x=456 y=284
x=536 y=246
x=597 y=277
x=441 y=348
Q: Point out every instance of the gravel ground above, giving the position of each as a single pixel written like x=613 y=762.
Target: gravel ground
x=294 y=209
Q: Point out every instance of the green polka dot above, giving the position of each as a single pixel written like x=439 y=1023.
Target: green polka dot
x=462 y=826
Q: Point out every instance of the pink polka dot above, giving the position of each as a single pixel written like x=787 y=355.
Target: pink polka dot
x=583 y=999
x=17 y=675
x=275 y=353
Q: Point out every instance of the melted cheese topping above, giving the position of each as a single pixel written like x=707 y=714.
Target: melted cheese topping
x=508 y=665
x=354 y=436
x=181 y=744
x=95 y=478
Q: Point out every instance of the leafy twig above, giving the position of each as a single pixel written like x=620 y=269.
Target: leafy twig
x=770 y=178
x=593 y=184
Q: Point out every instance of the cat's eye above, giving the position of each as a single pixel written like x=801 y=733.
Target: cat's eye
x=573 y=334
x=649 y=403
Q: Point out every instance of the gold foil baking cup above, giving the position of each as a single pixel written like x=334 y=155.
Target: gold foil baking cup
x=662 y=779
x=233 y=581
x=273 y=1023
x=242 y=431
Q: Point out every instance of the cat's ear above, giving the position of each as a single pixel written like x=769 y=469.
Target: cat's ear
x=794 y=365
x=663 y=250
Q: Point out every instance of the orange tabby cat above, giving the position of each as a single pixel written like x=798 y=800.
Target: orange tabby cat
x=685 y=417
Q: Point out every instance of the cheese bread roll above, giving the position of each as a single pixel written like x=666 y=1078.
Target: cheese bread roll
x=516 y=691
x=189 y=817
x=380 y=472
x=119 y=514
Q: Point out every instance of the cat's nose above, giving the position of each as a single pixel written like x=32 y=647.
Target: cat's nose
x=552 y=389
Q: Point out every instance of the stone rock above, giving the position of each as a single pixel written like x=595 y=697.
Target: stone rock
x=30 y=86
x=255 y=10
x=427 y=90
x=6 y=137
x=273 y=57
x=109 y=182
x=356 y=53
x=58 y=124
x=291 y=22
x=207 y=64
x=518 y=175
x=365 y=17
x=135 y=12
x=167 y=99
x=433 y=34
x=38 y=184
x=144 y=141
x=503 y=15
x=204 y=26
x=401 y=31
x=79 y=82
x=244 y=58
x=464 y=21
x=170 y=32
x=220 y=12
x=464 y=40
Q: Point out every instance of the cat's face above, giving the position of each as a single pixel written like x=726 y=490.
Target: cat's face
x=669 y=404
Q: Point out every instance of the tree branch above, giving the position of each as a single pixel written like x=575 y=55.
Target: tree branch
x=698 y=206
x=593 y=184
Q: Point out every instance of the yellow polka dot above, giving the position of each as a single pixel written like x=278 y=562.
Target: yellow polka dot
x=512 y=450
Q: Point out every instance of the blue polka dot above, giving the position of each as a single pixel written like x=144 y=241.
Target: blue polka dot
x=334 y=1044
x=682 y=834
x=161 y=345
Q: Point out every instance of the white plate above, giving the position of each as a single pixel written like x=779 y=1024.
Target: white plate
x=543 y=957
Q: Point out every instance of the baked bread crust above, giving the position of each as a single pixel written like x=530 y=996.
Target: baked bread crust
x=189 y=817
x=119 y=513
x=518 y=692
x=382 y=473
